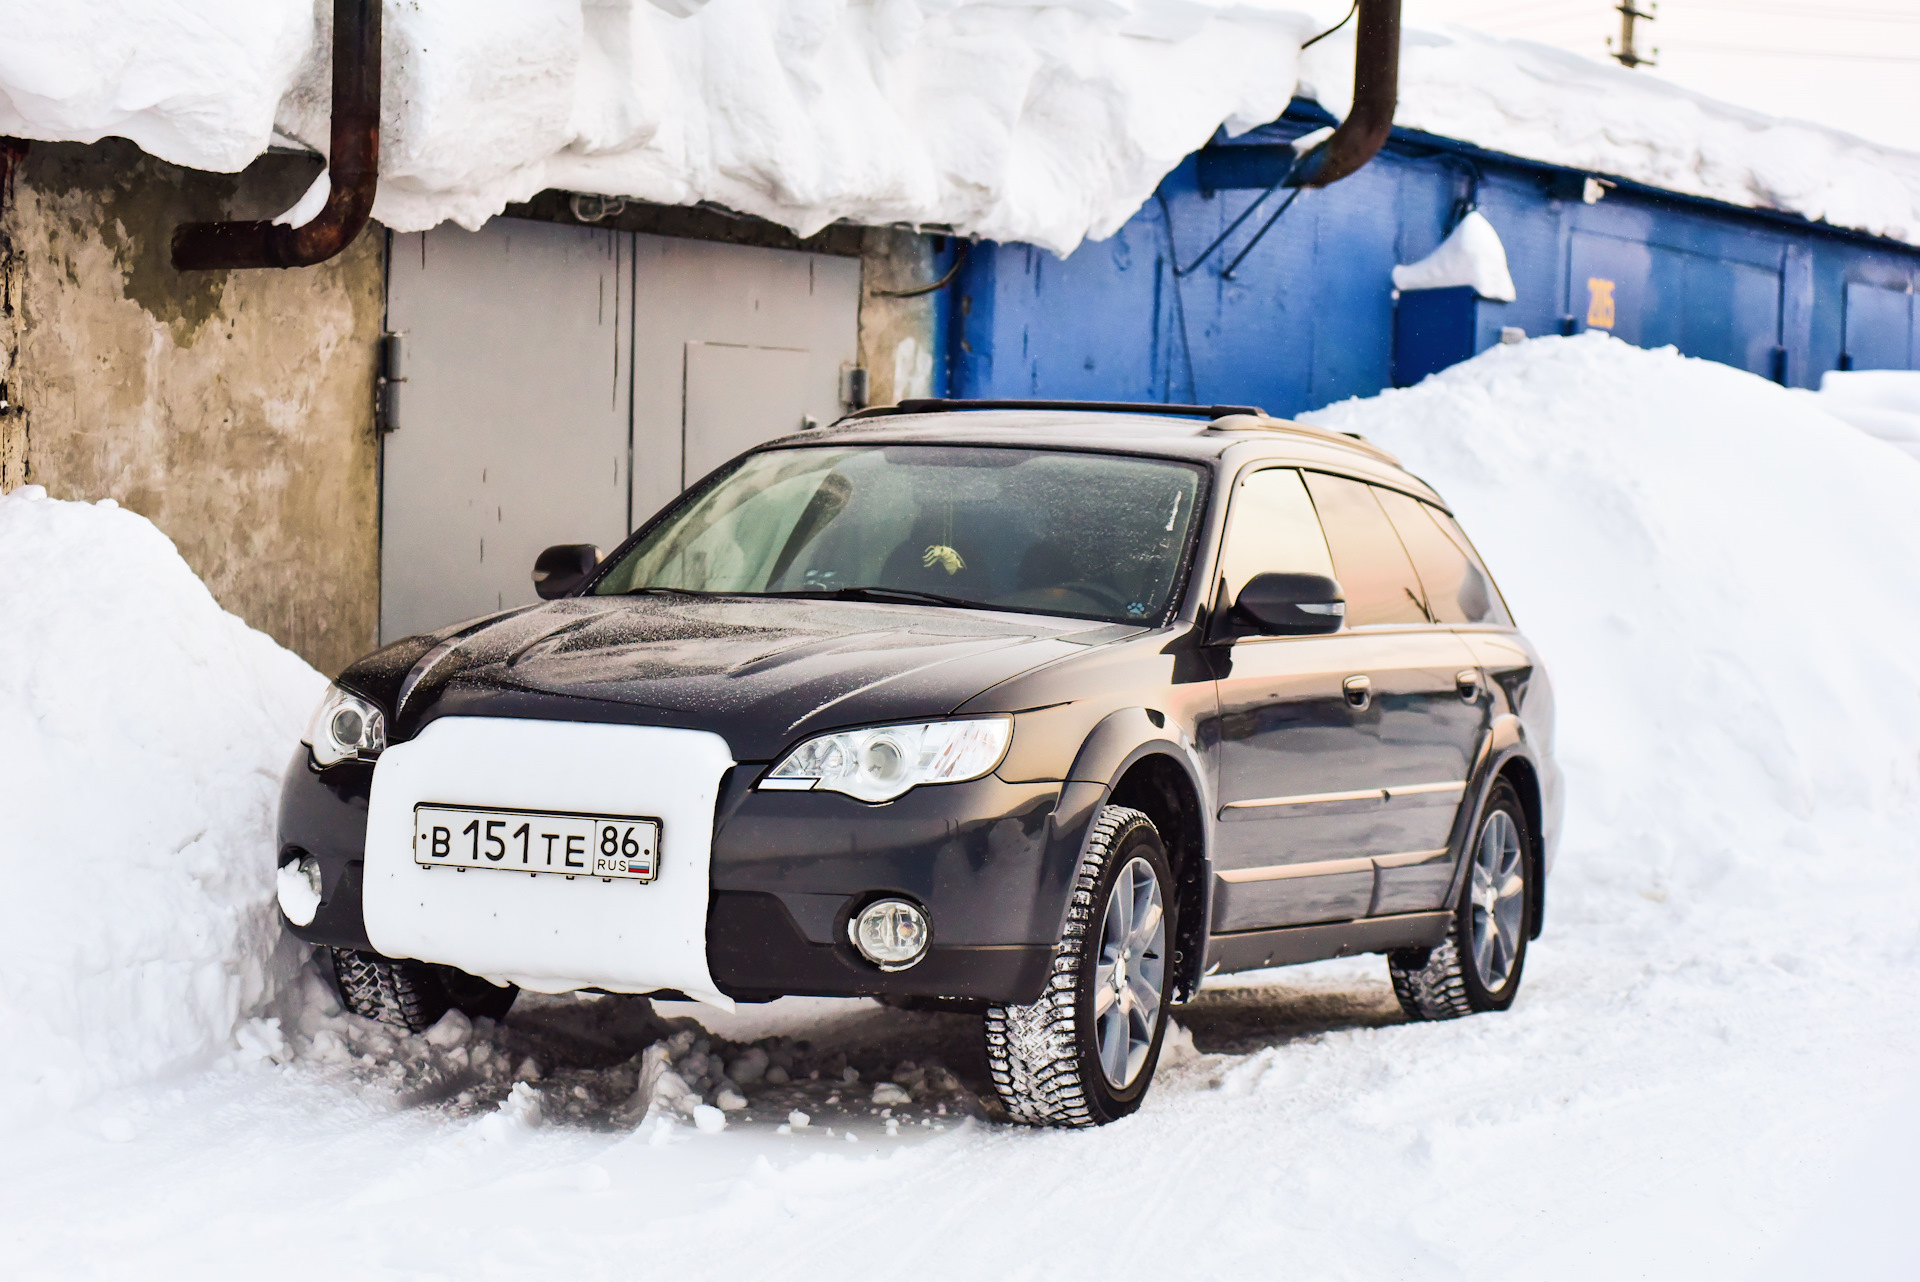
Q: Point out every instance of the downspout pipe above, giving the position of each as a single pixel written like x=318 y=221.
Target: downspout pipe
x=353 y=168
x=1376 y=92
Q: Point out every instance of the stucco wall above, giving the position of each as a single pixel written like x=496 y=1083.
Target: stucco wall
x=898 y=336
x=233 y=409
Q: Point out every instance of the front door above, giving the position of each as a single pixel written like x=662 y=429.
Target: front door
x=1295 y=763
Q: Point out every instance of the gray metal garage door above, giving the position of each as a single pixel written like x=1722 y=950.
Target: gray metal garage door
x=565 y=382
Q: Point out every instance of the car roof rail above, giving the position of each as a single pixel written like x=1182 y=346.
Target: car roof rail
x=1225 y=418
x=938 y=406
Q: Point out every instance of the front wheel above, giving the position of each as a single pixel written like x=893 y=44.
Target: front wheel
x=1477 y=967
x=1084 y=1054
x=413 y=995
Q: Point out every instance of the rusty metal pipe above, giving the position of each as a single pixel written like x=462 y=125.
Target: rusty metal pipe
x=353 y=167
x=1376 y=91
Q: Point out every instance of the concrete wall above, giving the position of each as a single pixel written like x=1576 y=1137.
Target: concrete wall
x=901 y=339
x=233 y=409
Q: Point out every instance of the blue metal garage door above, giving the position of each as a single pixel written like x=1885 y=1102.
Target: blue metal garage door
x=1880 y=328
x=1655 y=295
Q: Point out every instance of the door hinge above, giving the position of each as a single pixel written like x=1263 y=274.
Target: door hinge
x=393 y=373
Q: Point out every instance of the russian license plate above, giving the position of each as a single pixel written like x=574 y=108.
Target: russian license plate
x=536 y=841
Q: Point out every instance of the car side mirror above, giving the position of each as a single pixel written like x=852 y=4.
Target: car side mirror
x=562 y=568
x=1290 y=605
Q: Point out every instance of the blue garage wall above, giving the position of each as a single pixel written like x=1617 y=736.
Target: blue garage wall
x=1307 y=317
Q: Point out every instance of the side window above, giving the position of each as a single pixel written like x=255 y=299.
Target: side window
x=1368 y=559
x=1272 y=529
x=1496 y=607
x=1457 y=590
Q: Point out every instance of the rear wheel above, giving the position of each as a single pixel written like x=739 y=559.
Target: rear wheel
x=413 y=995
x=1085 y=1053
x=1477 y=967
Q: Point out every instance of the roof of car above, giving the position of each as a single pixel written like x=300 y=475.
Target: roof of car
x=1193 y=433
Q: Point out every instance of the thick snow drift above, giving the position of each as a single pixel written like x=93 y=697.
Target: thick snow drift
x=143 y=731
x=1040 y=122
x=1725 y=582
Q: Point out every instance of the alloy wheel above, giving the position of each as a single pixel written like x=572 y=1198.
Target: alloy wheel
x=1499 y=899
x=1131 y=974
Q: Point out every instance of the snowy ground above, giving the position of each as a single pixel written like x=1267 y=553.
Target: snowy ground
x=1711 y=1072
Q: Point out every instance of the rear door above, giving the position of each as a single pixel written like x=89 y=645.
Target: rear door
x=1422 y=730
x=1458 y=593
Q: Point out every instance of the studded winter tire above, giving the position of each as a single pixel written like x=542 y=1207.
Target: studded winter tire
x=1085 y=1053
x=1477 y=967
x=413 y=995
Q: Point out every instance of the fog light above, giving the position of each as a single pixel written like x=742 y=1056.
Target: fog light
x=299 y=886
x=891 y=933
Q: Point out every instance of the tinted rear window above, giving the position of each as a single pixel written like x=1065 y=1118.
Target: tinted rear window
x=1368 y=559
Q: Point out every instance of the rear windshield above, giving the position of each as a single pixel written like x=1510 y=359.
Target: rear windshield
x=1045 y=531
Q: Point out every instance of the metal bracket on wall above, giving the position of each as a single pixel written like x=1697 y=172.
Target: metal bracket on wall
x=392 y=375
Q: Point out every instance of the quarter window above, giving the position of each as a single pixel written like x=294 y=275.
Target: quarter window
x=1483 y=587
x=1274 y=530
x=1368 y=559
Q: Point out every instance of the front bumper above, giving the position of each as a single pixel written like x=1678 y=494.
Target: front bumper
x=991 y=862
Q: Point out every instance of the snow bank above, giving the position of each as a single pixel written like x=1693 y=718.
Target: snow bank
x=1041 y=122
x=143 y=731
x=1725 y=583
x=1883 y=403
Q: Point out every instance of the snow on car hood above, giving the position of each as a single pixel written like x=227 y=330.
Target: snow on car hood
x=758 y=672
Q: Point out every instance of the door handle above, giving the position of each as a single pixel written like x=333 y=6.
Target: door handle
x=1359 y=692
x=1467 y=682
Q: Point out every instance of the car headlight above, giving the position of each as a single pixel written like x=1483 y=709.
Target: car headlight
x=345 y=725
x=879 y=763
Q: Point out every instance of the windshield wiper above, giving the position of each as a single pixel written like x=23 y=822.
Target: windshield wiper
x=651 y=591
x=881 y=594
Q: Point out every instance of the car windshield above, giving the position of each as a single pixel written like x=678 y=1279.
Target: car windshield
x=1047 y=531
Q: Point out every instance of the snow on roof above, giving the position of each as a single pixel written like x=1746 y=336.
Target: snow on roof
x=1036 y=122
x=1547 y=104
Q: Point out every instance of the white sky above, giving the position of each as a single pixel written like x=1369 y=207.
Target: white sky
x=1851 y=64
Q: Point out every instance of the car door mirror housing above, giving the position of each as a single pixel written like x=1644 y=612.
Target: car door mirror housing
x=1290 y=605
x=563 y=567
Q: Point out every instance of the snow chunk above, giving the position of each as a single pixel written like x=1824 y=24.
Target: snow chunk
x=296 y=895
x=453 y=1030
x=308 y=207
x=1470 y=255
x=708 y=1119
x=518 y=1113
x=750 y=1066
x=143 y=733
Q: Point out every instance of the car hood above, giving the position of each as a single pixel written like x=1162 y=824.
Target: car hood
x=760 y=672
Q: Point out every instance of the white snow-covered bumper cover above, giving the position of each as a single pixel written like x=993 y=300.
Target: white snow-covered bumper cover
x=547 y=933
